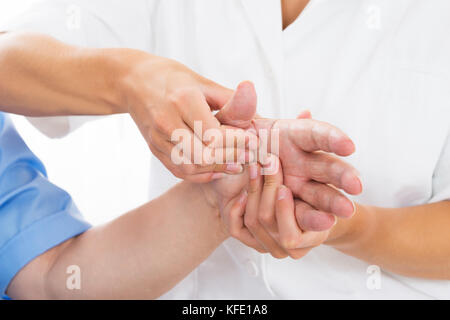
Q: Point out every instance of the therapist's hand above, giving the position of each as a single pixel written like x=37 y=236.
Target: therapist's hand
x=163 y=96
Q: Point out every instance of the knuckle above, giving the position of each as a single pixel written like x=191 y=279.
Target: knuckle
x=189 y=170
x=265 y=218
x=291 y=242
x=234 y=233
x=260 y=250
x=175 y=171
x=181 y=96
x=270 y=182
x=254 y=186
x=250 y=222
x=297 y=254
x=162 y=123
x=178 y=174
x=278 y=254
x=325 y=201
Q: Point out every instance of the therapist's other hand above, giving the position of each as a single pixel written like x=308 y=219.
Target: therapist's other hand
x=311 y=172
x=163 y=96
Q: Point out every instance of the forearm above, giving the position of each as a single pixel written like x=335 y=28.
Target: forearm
x=142 y=254
x=41 y=76
x=411 y=241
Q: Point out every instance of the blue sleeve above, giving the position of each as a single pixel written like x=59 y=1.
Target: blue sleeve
x=35 y=215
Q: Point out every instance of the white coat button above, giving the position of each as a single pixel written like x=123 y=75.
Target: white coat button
x=252 y=268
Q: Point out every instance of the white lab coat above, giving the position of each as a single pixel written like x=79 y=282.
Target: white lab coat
x=378 y=69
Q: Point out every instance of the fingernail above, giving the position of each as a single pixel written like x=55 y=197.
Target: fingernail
x=360 y=181
x=234 y=168
x=335 y=221
x=354 y=207
x=217 y=176
x=282 y=193
x=253 y=171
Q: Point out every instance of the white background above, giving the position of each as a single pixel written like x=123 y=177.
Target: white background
x=104 y=165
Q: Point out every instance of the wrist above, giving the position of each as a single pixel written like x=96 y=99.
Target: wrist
x=124 y=81
x=109 y=66
x=203 y=198
x=120 y=66
x=139 y=77
x=352 y=232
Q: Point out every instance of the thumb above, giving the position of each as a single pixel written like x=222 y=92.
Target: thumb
x=240 y=110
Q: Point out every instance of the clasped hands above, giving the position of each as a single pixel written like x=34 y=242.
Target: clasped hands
x=283 y=213
x=292 y=207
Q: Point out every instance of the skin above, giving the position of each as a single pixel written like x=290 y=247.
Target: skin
x=146 y=263
x=369 y=235
x=291 y=9
x=140 y=255
x=411 y=241
x=162 y=96
x=307 y=172
x=284 y=225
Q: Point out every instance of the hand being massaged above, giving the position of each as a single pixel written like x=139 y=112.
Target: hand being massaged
x=293 y=207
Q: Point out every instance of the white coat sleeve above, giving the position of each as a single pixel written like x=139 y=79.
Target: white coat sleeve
x=439 y=289
x=441 y=177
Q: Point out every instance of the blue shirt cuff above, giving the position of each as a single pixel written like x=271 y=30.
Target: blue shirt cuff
x=35 y=240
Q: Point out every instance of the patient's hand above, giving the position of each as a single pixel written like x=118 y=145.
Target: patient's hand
x=305 y=151
x=273 y=221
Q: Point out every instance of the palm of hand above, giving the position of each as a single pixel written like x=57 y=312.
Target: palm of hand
x=222 y=192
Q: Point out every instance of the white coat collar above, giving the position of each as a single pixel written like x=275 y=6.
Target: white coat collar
x=266 y=22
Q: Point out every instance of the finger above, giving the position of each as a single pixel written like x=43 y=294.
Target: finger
x=199 y=121
x=325 y=198
x=312 y=135
x=241 y=108
x=310 y=219
x=306 y=114
x=298 y=253
x=234 y=220
x=225 y=161
x=251 y=217
x=290 y=234
x=187 y=171
x=186 y=150
x=312 y=239
x=197 y=115
x=326 y=168
x=269 y=194
x=193 y=107
x=216 y=95
x=167 y=162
